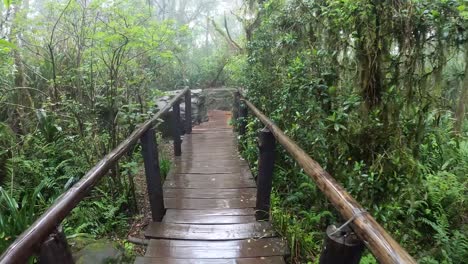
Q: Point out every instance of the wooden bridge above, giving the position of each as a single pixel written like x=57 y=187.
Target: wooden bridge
x=210 y=208
x=209 y=197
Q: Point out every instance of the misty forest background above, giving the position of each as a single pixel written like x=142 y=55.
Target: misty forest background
x=376 y=91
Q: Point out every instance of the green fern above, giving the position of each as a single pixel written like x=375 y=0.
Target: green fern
x=452 y=245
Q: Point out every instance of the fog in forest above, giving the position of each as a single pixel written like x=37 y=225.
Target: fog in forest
x=373 y=92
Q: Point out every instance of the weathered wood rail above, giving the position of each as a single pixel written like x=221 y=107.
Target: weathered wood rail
x=340 y=246
x=31 y=241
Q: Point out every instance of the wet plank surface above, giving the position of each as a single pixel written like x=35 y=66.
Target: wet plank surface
x=259 y=260
x=209 y=232
x=210 y=197
x=202 y=217
x=193 y=203
x=210 y=177
x=224 y=193
x=199 y=182
x=214 y=212
x=248 y=248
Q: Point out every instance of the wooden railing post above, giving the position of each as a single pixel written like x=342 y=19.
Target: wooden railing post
x=341 y=247
x=176 y=129
x=243 y=113
x=266 y=165
x=55 y=249
x=235 y=110
x=153 y=174
x=188 y=112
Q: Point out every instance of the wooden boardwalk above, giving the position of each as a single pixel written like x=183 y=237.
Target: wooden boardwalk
x=210 y=199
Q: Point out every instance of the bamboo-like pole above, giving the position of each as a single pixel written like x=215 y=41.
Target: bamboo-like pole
x=374 y=236
x=25 y=245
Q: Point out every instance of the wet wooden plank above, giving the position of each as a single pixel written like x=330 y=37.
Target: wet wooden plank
x=210 y=170
x=201 y=217
x=214 y=132
x=246 y=193
x=204 y=148
x=209 y=156
x=212 y=165
x=232 y=203
x=249 y=248
x=208 y=159
x=196 y=139
x=218 y=212
x=209 y=232
x=209 y=220
x=201 y=130
x=211 y=144
x=212 y=154
x=203 y=175
x=221 y=145
x=259 y=260
x=208 y=177
x=226 y=183
x=210 y=139
x=224 y=144
x=208 y=163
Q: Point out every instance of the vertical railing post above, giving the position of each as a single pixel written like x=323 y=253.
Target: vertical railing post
x=341 y=246
x=176 y=129
x=266 y=165
x=188 y=112
x=153 y=174
x=55 y=249
x=235 y=110
x=243 y=112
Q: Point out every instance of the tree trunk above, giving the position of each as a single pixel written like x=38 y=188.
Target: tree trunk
x=22 y=97
x=460 y=111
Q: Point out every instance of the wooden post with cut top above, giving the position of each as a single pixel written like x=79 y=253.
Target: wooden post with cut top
x=243 y=113
x=341 y=247
x=176 y=129
x=153 y=175
x=188 y=112
x=55 y=249
x=235 y=110
x=266 y=164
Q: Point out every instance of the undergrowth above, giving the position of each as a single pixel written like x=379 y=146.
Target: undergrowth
x=39 y=167
x=427 y=219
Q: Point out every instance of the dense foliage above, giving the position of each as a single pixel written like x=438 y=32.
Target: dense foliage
x=76 y=77
x=74 y=83
x=375 y=91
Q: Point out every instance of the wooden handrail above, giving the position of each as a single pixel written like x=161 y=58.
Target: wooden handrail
x=374 y=236
x=27 y=243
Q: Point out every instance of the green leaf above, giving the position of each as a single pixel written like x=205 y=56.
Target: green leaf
x=7 y=2
x=464 y=15
x=6 y=44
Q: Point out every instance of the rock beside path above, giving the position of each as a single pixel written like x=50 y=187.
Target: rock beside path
x=100 y=252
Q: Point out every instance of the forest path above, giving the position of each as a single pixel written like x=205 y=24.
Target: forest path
x=210 y=197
